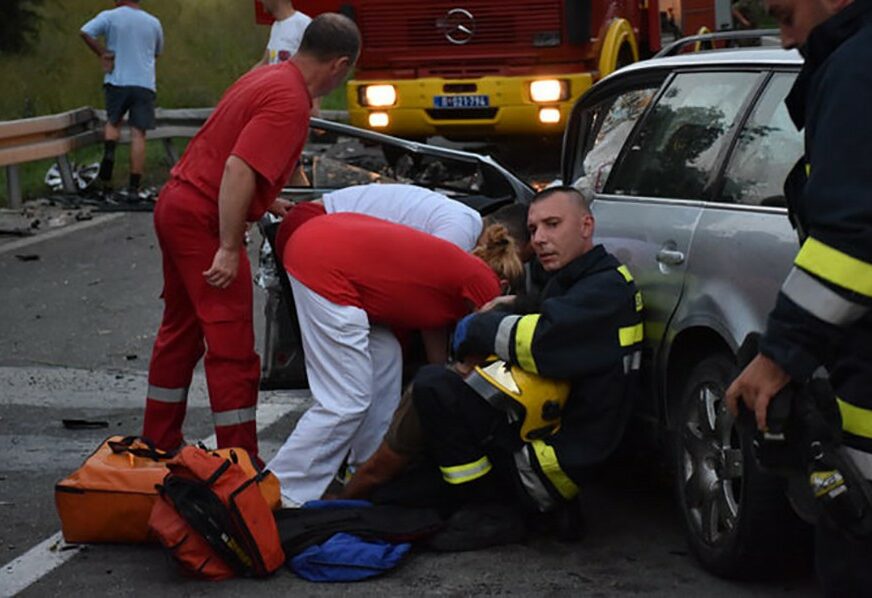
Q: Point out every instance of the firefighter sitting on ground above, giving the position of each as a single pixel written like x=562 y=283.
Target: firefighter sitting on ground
x=468 y=428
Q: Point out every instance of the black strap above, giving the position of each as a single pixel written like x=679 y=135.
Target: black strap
x=149 y=451
x=207 y=515
x=217 y=473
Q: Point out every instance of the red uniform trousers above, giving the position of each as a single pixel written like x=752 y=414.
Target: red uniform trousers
x=187 y=230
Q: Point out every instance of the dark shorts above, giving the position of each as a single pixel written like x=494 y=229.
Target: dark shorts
x=137 y=101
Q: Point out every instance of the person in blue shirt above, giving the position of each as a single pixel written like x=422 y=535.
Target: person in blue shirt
x=132 y=41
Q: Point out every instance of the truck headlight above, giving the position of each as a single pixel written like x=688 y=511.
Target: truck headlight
x=379 y=120
x=377 y=95
x=549 y=116
x=549 y=90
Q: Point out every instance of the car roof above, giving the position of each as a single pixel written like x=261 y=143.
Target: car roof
x=758 y=56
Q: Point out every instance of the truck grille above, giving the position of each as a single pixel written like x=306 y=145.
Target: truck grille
x=403 y=25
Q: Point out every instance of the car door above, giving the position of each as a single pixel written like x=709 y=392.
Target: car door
x=744 y=245
x=649 y=197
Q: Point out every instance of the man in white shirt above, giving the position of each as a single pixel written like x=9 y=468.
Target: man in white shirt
x=413 y=206
x=286 y=33
x=417 y=207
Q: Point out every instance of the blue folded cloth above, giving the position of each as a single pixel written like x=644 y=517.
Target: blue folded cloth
x=346 y=557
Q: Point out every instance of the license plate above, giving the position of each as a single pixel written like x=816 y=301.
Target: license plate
x=464 y=101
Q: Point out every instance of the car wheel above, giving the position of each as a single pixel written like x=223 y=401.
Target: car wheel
x=737 y=518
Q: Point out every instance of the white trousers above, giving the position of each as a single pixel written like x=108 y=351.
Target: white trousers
x=355 y=374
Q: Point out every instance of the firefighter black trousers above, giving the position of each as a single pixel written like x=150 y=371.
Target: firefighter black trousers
x=470 y=441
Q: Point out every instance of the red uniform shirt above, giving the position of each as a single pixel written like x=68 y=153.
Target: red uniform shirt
x=401 y=277
x=262 y=119
x=294 y=219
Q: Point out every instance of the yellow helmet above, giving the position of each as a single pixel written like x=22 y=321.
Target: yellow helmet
x=535 y=401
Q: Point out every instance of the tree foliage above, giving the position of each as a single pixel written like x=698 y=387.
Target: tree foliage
x=19 y=24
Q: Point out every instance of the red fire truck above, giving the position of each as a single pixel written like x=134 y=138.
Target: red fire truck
x=484 y=68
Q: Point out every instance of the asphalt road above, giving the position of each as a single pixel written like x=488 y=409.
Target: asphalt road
x=77 y=327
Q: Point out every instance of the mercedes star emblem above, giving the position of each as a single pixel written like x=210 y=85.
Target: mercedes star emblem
x=458 y=26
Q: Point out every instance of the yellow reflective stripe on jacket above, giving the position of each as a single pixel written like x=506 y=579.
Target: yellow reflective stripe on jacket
x=855 y=420
x=625 y=272
x=524 y=342
x=460 y=474
x=630 y=335
x=550 y=466
x=835 y=266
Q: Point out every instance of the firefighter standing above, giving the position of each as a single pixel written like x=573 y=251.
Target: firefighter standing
x=586 y=330
x=232 y=171
x=822 y=314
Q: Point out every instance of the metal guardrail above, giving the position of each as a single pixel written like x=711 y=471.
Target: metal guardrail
x=44 y=137
x=55 y=136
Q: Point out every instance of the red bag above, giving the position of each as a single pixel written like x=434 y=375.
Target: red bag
x=213 y=520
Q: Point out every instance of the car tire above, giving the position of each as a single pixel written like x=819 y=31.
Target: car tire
x=738 y=521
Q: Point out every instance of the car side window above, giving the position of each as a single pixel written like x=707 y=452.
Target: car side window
x=677 y=147
x=768 y=146
x=606 y=127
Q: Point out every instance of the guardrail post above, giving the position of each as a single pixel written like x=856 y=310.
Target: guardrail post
x=13 y=186
x=170 y=149
x=66 y=174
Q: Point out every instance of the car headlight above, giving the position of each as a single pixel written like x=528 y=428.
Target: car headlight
x=377 y=95
x=549 y=90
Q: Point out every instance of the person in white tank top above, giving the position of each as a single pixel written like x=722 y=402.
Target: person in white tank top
x=286 y=32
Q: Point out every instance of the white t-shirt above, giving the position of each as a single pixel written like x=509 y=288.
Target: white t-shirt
x=417 y=207
x=285 y=36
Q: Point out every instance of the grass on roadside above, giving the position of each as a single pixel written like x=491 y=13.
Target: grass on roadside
x=335 y=100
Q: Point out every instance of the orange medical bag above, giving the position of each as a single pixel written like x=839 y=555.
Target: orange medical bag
x=110 y=497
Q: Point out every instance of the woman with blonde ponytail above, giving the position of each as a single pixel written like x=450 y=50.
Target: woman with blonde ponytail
x=499 y=250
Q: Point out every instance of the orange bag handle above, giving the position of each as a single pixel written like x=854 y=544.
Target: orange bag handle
x=149 y=451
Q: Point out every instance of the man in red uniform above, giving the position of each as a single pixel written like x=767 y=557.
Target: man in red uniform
x=231 y=173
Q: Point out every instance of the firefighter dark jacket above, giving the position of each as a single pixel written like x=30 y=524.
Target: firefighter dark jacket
x=822 y=314
x=587 y=330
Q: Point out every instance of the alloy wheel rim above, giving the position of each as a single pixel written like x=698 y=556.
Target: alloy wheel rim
x=711 y=465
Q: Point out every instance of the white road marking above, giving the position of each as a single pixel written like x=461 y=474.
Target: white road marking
x=39 y=560
x=51 y=553
x=12 y=245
